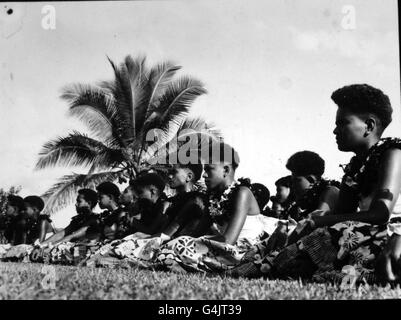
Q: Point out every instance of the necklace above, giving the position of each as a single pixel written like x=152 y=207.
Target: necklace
x=359 y=174
x=218 y=206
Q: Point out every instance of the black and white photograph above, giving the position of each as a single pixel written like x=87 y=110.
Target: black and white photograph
x=208 y=150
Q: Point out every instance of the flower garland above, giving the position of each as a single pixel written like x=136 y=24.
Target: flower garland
x=218 y=206
x=309 y=201
x=359 y=174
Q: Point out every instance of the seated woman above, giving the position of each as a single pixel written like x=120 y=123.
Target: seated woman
x=349 y=240
x=313 y=195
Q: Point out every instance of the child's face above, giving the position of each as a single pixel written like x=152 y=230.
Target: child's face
x=82 y=205
x=177 y=177
x=349 y=131
x=29 y=210
x=146 y=195
x=214 y=175
x=300 y=184
x=277 y=208
x=104 y=201
x=11 y=210
x=127 y=196
x=282 y=193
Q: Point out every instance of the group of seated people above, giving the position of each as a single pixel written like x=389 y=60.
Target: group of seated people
x=316 y=229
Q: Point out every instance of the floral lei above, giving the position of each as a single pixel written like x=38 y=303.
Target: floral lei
x=312 y=195
x=357 y=174
x=219 y=206
x=310 y=199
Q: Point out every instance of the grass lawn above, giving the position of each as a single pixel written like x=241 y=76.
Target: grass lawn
x=25 y=281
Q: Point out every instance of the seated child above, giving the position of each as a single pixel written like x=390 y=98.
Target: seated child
x=284 y=194
x=85 y=218
x=128 y=200
x=277 y=209
x=311 y=191
x=152 y=204
x=30 y=227
x=115 y=222
x=186 y=214
x=15 y=208
x=34 y=226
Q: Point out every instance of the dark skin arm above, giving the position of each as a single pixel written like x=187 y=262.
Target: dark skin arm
x=44 y=225
x=241 y=208
x=384 y=198
x=141 y=227
x=81 y=232
x=158 y=221
x=55 y=238
x=190 y=208
x=66 y=235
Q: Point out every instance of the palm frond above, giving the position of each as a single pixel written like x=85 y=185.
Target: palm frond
x=77 y=149
x=178 y=98
x=122 y=93
x=136 y=69
x=96 y=107
x=160 y=77
x=140 y=89
x=191 y=128
x=65 y=190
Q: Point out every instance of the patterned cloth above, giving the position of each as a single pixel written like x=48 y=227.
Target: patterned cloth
x=18 y=253
x=65 y=253
x=332 y=253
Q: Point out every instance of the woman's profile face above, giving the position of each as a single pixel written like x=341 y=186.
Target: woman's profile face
x=349 y=131
x=213 y=175
x=300 y=185
x=177 y=177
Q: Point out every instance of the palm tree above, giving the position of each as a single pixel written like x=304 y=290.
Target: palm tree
x=119 y=114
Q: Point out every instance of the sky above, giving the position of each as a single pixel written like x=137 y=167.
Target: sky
x=269 y=67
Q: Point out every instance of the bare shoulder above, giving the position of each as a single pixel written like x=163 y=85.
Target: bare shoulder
x=391 y=161
x=392 y=155
x=244 y=192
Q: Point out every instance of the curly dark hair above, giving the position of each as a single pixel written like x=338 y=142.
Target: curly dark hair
x=16 y=201
x=89 y=196
x=109 y=188
x=305 y=163
x=261 y=193
x=363 y=98
x=148 y=179
x=284 y=181
x=35 y=201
